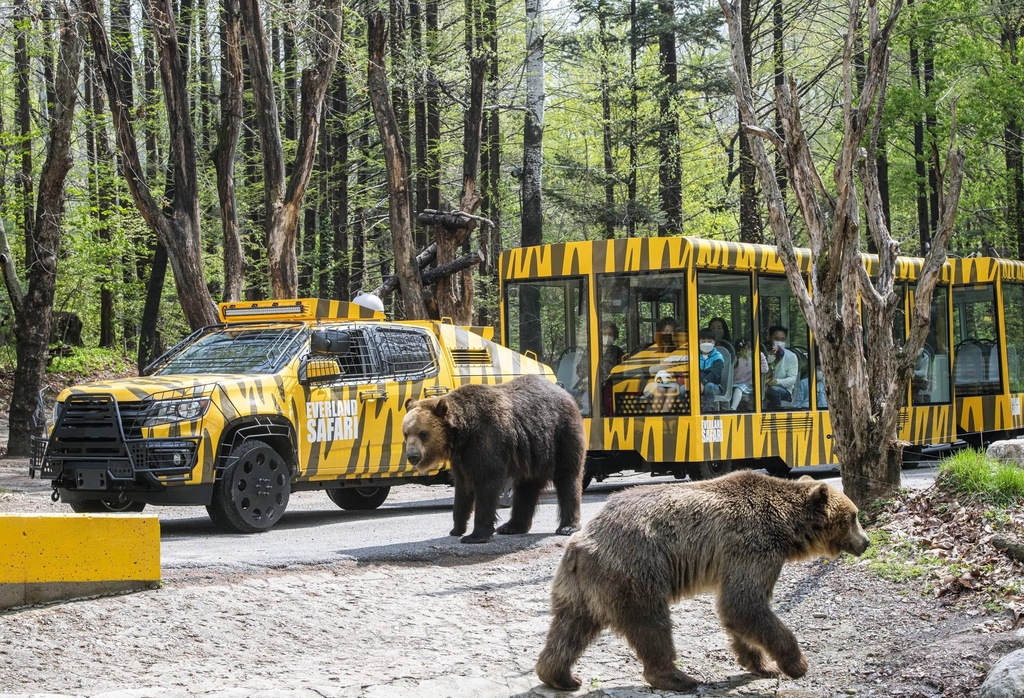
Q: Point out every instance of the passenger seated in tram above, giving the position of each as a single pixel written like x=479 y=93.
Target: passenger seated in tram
x=611 y=353
x=711 y=366
x=743 y=378
x=783 y=370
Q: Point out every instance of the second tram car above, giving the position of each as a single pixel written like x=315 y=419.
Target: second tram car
x=620 y=322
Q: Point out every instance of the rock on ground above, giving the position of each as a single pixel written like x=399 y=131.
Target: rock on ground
x=1006 y=680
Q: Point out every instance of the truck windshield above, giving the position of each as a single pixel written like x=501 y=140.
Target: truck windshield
x=235 y=350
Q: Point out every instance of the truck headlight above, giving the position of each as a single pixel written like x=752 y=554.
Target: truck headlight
x=170 y=411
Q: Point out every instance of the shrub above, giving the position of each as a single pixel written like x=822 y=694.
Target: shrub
x=972 y=473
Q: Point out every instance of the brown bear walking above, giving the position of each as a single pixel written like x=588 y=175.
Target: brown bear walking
x=650 y=546
x=528 y=429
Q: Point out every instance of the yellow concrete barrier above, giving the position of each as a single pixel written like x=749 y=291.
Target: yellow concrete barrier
x=62 y=556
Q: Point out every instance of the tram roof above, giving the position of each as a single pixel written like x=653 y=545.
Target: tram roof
x=979 y=270
x=653 y=254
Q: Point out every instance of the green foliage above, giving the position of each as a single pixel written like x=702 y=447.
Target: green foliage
x=974 y=474
x=81 y=364
x=896 y=560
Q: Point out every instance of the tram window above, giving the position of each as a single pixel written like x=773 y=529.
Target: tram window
x=787 y=383
x=645 y=368
x=550 y=318
x=930 y=383
x=724 y=305
x=1013 y=316
x=976 y=341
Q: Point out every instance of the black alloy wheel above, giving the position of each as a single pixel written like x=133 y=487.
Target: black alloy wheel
x=252 y=493
x=359 y=498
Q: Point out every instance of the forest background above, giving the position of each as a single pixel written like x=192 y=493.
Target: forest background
x=208 y=140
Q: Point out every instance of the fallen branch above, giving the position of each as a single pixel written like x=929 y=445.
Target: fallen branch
x=391 y=284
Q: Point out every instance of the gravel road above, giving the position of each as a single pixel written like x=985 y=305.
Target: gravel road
x=460 y=621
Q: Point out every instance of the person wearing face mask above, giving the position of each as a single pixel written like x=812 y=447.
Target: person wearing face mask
x=711 y=365
x=721 y=329
x=784 y=370
x=820 y=390
x=611 y=353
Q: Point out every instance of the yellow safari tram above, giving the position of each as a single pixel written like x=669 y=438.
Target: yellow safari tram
x=638 y=329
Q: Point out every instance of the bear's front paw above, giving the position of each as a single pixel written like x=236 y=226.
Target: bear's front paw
x=566 y=530
x=475 y=537
x=673 y=680
x=563 y=683
x=765 y=668
x=511 y=529
x=457 y=531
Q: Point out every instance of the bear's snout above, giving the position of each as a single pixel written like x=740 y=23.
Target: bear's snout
x=860 y=545
x=414 y=458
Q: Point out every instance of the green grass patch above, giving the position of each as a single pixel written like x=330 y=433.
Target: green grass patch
x=974 y=474
x=86 y=362
x=896 y=560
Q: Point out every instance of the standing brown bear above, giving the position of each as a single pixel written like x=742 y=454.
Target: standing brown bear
x=528 y=429
x=650 y=546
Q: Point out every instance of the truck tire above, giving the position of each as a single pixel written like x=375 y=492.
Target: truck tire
x=359 y=498
x=253 y=492
x=104 y=506
x=709 y=470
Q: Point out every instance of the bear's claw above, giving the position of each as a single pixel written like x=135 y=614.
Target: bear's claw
x=508 y=529
x=566 y=530
x=674 y=681
x=475 y=538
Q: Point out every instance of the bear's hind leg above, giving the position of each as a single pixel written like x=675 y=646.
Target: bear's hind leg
x=648 y=630
x=572 y=630
x=487 y=490
x=568 y=480
x=524 y=503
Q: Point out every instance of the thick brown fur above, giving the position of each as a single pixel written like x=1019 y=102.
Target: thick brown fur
x=529 y=429
x=651 y=546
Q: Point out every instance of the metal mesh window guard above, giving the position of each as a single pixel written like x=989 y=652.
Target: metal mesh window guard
x=236 y=350
x=407 y=354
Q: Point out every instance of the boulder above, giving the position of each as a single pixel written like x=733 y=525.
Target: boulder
x=1010 y=451
x=1006 y=680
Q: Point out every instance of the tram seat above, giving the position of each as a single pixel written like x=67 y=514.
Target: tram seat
x=992 y=368
x=968 y=364
x=727 y=351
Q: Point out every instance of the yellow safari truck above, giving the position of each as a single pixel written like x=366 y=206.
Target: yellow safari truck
x=283 y=396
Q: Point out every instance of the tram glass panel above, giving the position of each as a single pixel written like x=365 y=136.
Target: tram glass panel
x=1013 y=317
x=646 y=370
x=787 y=384
x=724 y=305
x=551 y=319
x=930 y=382
x=976 y=341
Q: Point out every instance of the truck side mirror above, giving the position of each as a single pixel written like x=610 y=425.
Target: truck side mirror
x=332 y=342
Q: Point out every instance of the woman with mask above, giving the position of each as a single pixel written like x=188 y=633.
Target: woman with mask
x=711 y=365
x=721 y=329
x=611 y=353
x=784 y=370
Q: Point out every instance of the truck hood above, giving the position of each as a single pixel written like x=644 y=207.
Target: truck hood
x=169 y=387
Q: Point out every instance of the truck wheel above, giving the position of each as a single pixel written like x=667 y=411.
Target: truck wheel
x=587 y=479
x=253 y=492
x=359 y=498
x=103 y=506
x=709 y=470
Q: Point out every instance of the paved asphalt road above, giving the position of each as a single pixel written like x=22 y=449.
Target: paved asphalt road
x=412 y=525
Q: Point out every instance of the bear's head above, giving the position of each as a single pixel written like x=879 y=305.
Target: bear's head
x=425 y=430
x=838 y=527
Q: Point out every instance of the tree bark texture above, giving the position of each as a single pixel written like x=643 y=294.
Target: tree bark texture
x=32 y=325
x=670 y=187
x=865 y=392
x=179 y=230
x=282 y=201
x=23 y=70
x=339 y=205
x=750 y=217
x=394 y=157
x=606 y=123
x=231 y=83
x=454 y=294
x=533 y=126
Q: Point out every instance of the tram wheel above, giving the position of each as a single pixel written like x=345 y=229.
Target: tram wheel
x=710 y=469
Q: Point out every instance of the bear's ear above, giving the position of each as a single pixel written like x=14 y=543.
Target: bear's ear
x=409 y=404
x=819 y=497
x=805 y=478
x=440 y=408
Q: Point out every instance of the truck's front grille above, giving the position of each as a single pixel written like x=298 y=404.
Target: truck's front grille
x=89 y=427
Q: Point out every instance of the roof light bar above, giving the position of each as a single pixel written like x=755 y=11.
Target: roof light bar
x=264 y=310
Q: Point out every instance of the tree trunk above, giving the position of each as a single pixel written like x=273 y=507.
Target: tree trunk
x=206 y=125
x=533 y=126
x=1013 y=143
x=670 y=189
x=750 y=217
x=100 y=158
x=32 y=325
x=282 y=203
x=227 y=147
x=455 y=293
x=419 y=119
x=357 y=276
x=179 y=231
x=845 y=308
x=634 y=116
x=339 y=209
x=148 y=339
x=23 y=71
x=606 y=123
x=920 y=168
x=394 y=157
x=433 y=145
